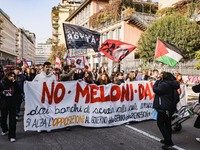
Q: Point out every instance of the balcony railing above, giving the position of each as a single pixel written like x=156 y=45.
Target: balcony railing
x=55 y=25
x=55 y=40
x=55 y=18
x=56 y=33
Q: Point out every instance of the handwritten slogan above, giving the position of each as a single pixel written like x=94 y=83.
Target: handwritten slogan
x=50 y=106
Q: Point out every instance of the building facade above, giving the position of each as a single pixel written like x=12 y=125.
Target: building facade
x=43 y=51
x=81 y=17
x=26 y=41
x=59 y=14
x=127 y=29
x=8 y=41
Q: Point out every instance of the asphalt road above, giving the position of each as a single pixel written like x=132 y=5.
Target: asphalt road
x=134 y=136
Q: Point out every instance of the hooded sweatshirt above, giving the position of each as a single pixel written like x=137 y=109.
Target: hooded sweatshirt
x=43 y=77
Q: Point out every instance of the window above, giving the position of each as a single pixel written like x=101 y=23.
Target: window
x=111 y=34
x=119 y=33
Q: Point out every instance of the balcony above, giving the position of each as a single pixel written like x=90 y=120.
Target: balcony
x=56 y=18
x=55 y=25
x=1 y=21
x=55 y=10
x=56 y=33
x=55 y=41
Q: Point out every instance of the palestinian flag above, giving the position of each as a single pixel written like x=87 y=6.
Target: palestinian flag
x=167 y=53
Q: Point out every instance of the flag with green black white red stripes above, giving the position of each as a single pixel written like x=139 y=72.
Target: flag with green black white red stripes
x=167 y=53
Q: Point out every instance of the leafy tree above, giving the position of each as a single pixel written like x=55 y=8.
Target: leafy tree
x=184 y=7
x=175 y=29
x=197 y=57
x=57 y=51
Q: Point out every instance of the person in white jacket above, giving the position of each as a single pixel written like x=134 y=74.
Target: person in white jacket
x=45 y=76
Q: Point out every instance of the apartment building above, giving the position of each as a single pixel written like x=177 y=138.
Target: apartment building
x=80 y=17
x=26 y=41
x=8 y=41
x=43 y=51
x=125 y=29
x=59 y=14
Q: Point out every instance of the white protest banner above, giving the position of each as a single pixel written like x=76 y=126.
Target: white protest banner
x=50 y=106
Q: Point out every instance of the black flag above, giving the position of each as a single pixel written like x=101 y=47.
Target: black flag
x=78 y=37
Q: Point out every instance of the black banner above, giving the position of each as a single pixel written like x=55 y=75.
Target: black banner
x=78 y=37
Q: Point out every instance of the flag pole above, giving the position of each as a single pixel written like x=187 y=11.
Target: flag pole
x=154 y=60
x=118 y=67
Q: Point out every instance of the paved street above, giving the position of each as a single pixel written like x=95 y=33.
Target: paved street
x=134 y=136
x=124 y=137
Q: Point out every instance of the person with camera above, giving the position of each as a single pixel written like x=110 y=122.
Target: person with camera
x=165 y=101
x=8 y=91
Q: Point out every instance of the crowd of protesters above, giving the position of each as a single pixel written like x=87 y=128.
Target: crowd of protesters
x=12 y=95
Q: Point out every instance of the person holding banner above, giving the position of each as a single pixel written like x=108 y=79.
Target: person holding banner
x=165 y=100
x=9 y=89
x=67 y=74
x=45 y=76
x=103 y=79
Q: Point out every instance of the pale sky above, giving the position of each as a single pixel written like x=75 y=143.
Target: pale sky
x=32 y=15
